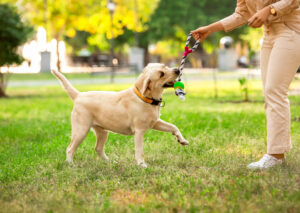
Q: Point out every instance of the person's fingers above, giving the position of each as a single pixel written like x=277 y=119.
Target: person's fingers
x=204 y=36
x=195 y=36
x=256 y=26
x=195 y=31
x=200 y=30
x=257 y=23
x=200 y=33
x=252 y=24
x=252 y=20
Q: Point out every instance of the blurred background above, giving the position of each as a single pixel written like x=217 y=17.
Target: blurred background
x=122 y=36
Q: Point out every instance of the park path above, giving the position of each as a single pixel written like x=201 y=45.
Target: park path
x=85 y=81
x=188 y=77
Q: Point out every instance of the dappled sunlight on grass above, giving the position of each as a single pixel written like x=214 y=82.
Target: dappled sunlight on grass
x=243 y=147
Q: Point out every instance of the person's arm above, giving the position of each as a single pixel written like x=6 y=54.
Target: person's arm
x=284 y=7
x=281 y=8
x=260 y=17
x=237 y=19
x=202 y=32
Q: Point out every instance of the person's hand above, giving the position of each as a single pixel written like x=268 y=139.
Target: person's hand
x=259 y=18
x=201 y=33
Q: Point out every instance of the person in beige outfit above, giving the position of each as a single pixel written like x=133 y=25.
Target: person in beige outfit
x=280 y=59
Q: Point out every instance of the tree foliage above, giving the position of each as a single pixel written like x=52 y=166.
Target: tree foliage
x=152 y=20
x=253 y=37
x=173 y=20
x=129 y=14
x=63 y=18
x=174 y=17
x=59 y=17
x=13 y=33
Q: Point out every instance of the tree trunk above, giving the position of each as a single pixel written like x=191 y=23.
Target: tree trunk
x=147 y=55
x=58 y=55
x=215 y=83
x=2 y=86
x=2 y=93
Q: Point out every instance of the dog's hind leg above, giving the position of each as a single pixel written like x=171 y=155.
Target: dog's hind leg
x=102 y=136
x=81 y=124
x=167 y=127
x=139 y=152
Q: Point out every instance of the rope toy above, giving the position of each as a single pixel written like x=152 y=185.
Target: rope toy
x=179 y=86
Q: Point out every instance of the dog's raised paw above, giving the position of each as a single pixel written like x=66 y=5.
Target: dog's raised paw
x=184 y=142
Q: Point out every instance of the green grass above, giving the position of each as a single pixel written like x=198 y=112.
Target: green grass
x=209 y=175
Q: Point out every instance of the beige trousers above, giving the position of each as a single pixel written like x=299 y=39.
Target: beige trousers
x=280 y=59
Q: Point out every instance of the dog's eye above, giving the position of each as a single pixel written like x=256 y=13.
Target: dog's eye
x=162 y=74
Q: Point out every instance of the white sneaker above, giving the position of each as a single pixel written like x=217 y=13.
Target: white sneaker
x=267 y=161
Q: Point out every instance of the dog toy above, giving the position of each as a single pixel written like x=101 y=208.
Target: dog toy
x=179 y=86
x=179 y=90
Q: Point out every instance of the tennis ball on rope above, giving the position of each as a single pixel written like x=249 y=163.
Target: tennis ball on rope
x=179 y=90
x=178 y=85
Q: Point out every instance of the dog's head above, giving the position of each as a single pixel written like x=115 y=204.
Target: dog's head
x=154 y=78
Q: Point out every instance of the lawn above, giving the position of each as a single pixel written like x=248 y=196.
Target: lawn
x=209 y=175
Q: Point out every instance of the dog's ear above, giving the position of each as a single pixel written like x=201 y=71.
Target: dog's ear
x=146 y=87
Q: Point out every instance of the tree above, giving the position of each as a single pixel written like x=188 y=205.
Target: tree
x=175 y=19
x=63 y=18
x=78 y=41
x=59 y=17
x=129 y=20
x=253 y=37
x=13 y=33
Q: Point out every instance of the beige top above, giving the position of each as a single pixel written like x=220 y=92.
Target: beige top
x=288 y=11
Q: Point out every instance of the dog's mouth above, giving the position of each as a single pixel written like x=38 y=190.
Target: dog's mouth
x=169 y=84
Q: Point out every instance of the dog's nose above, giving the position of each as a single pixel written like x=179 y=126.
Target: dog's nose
x=176 y=70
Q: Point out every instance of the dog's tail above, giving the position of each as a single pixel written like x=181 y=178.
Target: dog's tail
x=72 y=92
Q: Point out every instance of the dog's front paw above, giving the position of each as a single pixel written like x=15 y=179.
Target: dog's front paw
x=104 y=157
x=183 y=142
x=142 y=164
x=69 y=160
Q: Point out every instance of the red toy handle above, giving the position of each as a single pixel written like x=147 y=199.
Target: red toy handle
x=187 y=51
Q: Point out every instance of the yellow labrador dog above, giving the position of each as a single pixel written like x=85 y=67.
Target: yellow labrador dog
x=130 y=112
